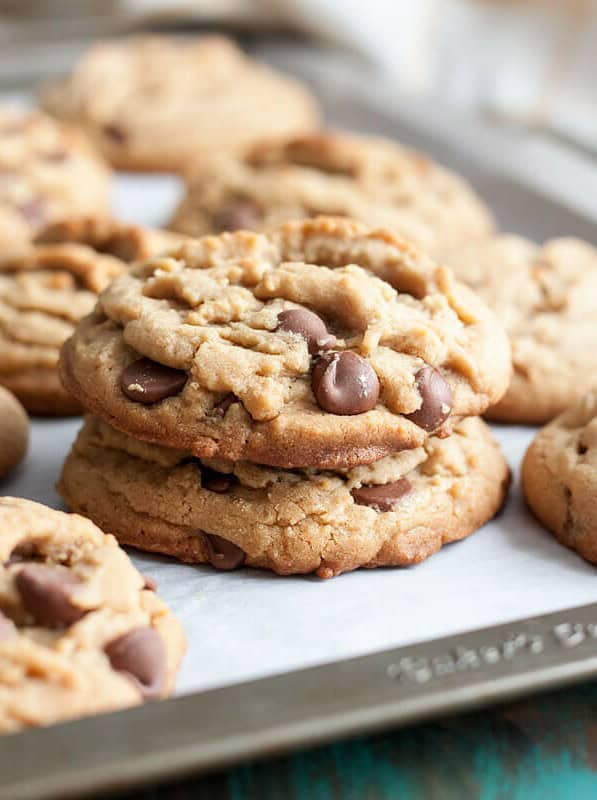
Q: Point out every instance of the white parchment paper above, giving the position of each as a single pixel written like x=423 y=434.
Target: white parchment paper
x=249 y=624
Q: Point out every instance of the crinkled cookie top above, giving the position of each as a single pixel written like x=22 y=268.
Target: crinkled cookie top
x=322 y=344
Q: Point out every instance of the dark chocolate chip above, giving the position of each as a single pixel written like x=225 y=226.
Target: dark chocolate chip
x=344 y=383
x=141 y=655
x=218 y=482
x=46 y=592
x=223 y=554
x=150 y=583
x=309 y=326
x=436 y=399
x=145 y=381
x=242 y=215
x=116 y=134
x=220 y=409
x=384 y=497
x=7 y=628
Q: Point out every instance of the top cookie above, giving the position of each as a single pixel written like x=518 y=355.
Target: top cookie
x=546 y=297
x=321 y=344
x=47 y=286
x=159 y=103
x=375 y=181
x=47 y=171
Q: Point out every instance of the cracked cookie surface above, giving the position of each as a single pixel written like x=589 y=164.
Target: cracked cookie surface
x=46 y=287
x=559 y=476
x=47 y=171
x=546 y=297
x=321 y=344
x=395 y=512
x=159 y=103
x=80 y=631
x=374 y=181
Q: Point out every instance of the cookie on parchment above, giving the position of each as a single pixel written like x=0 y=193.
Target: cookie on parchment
x=47 y=171
x=14 y=432
x=375 y=181
x=546 y=297
x=45 y=289
x=395 y=512
x=559 y=476
x=81 y=632
x=160 y=103
x=322 y=344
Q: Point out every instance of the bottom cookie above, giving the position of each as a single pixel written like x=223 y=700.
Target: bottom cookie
x=395 y=512
x=559 y=477
x=81 y=631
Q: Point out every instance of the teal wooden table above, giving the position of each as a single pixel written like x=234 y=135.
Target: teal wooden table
x=544 y=748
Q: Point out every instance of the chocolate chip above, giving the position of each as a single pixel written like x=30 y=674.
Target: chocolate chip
x=7 y=628
x=220 y=409
x=141 y=655
x=26 y=551
x=218 y=482
x=46 y=592
x=384 y=497
x=223 y=554
x=145 y=381
x=436 y=399
x=116 y=134
x=34 y=211
x=150 y=583
x=309 y=326
x=242 y=215
x=344 y=383
x=56 y=156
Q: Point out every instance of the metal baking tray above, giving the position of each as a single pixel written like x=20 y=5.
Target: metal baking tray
x=212 y=729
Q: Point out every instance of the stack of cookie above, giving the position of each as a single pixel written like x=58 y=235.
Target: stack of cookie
x=304 y=400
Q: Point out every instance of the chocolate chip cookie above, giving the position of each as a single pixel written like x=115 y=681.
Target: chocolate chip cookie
x=159 y=103
x=375 y=181
x=47 y=171
x=321 y=344
x=546 y=297
x=559 y=476
x=395 y=512
x=46 y=287
x=14 y=432
x=80 y=630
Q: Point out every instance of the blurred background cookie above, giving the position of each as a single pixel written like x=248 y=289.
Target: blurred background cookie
x=14 y=432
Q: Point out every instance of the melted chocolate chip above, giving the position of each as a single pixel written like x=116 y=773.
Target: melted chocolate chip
x=46 y=592
x=26 y=551
x=220 y=409
x=223 y=554
x=218 y=482
x=384 y=497
x=242 y=215
x=141 y=655
x=116 y=134
x=7 y=628
x=344 y=383
x=145 y=381
x=309 y=326
x=436 y=399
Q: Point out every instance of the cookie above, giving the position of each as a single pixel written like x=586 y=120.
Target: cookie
x=559 y=476
x=47 y=171
x=80 y=630
x=46 y=287
x=160 y=103
x=321 y=344
x=546 y=297
x=14 y=432
x=375 y=181
x=396 y=512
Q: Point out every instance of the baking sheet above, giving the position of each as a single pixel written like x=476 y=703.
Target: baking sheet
x=250 y=624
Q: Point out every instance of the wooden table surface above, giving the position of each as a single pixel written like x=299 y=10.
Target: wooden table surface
x=544 y=748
